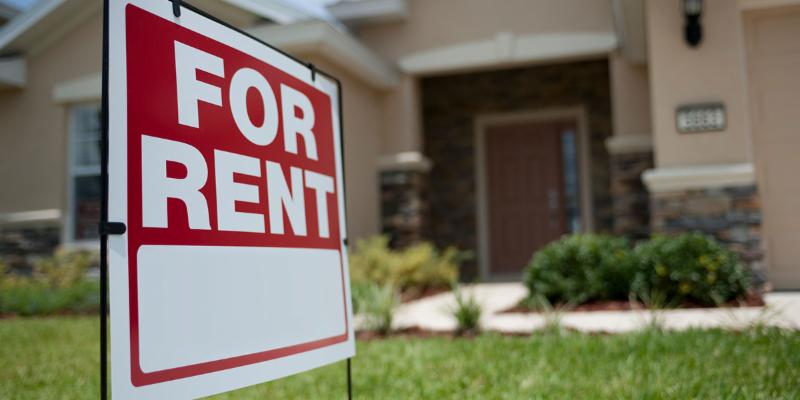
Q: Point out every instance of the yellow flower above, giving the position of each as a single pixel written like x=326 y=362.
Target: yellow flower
x=685 y=287
x=661 y=270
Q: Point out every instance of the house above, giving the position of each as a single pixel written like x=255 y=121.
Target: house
x=496 y=127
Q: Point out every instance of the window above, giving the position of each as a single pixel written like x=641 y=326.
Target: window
x=85 y=185
x=572 y=198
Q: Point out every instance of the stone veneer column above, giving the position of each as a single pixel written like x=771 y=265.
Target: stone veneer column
x=721 y=201
x=629 y=157
x=19 y=245
x=403 y=193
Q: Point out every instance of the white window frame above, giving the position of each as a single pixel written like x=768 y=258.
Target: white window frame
x=73 y=172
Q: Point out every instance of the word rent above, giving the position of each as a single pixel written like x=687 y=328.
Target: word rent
x=285 y=193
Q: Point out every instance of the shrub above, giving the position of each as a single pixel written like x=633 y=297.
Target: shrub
x=467 y=312
x=689 y=267
x=417 y=267
x=581 y=268
x=376 y=303
x=57 y=284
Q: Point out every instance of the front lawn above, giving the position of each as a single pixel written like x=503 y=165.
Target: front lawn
x=56 y=358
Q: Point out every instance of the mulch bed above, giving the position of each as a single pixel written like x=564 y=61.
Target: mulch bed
x=751 y=300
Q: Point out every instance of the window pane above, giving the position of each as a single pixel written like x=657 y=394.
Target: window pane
x=571 y=180
x=86 y=138
x=87 y=207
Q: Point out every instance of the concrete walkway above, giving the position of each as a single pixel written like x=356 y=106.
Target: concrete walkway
x=432 y=313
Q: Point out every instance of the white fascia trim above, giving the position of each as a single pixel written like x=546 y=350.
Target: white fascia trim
x=369 y=11
x=320 y=38
x=671 y=179
x=624 y=144
x=405 y=161
x=48 y=216
x=84 y=89
x=506 y=48
x=13 y=72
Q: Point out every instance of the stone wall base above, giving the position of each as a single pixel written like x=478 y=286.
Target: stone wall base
x=730 y=214
x=20 y=245
x=404 y=207
x=629 y=198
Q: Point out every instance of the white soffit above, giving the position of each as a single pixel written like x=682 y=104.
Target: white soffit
x=671 y=179
x=319 y=38
x=276 y=10
x=506 y=48
x=88 y=88
x=12 y=73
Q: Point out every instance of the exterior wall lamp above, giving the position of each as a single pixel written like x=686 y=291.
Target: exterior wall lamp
x=692 y=30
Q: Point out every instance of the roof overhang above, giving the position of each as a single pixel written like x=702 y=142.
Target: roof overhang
x=320 y=38
x=508 y=49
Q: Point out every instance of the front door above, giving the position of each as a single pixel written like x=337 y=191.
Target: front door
x=530 y=200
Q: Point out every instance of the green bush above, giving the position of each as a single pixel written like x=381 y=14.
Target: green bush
x=689 y=267
x=581 y=268
x=418 y=267
x=57 y=284
x=376 y=303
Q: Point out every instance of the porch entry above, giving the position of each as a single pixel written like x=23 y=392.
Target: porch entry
x=531 y=189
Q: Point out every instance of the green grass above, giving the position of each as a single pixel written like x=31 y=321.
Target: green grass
x=56 y=358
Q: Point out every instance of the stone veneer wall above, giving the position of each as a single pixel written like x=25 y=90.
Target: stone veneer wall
x=450 y=105
x=629 y=198
x=19 y=245
x=404 y=208
x=730 y=214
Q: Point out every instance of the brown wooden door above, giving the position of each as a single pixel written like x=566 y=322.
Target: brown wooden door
x=525 y=191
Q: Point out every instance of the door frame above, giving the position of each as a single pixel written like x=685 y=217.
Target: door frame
x=484 y=121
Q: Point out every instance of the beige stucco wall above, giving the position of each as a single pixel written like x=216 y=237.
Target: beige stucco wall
x=436 y=23
x=630 y=96
x=33 y=132
x=362 y=124
x=714 y=71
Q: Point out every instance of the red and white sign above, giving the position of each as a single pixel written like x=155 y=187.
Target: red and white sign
x=225 y=165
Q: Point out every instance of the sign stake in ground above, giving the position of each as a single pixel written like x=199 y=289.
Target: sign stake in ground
x=223 y=228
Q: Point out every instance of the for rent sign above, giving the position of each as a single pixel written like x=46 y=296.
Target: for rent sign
x=224 y=164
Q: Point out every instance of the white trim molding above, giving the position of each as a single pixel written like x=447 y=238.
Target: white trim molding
x=369 y=11
x=13 y=73
x=405 y=161
x=34 y=217
x=625 y=144
x=88 y=88
x=507 y=48
x=672 y=179
x=320 y=38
